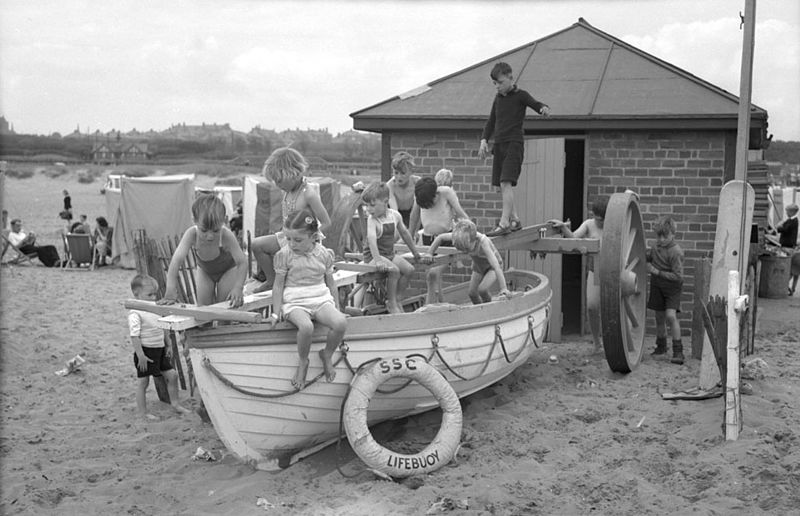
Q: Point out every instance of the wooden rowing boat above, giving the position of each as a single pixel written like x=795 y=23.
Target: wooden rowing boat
x=243 y=371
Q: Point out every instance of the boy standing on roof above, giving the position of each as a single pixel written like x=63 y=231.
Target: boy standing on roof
x=505 y=123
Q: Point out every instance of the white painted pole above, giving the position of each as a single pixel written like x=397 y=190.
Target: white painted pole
x=733 y=407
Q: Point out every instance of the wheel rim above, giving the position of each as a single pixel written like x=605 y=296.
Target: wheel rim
x=623 y=283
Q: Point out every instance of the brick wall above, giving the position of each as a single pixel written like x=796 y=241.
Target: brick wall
x=678 y=174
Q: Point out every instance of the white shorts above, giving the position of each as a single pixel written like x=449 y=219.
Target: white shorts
x=310 y=299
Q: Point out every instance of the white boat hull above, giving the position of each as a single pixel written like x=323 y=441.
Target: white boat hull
x=481 y=344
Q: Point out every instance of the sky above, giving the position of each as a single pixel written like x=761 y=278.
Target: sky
x=149 y=64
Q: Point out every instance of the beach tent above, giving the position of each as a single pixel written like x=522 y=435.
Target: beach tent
x=160 y=205
x=261 y=203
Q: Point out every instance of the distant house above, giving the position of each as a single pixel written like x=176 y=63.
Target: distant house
x=119 y=152
x=621 y=118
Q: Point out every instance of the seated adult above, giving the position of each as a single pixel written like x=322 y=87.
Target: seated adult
x=26 y=242
x=82 y=226
x=102 y=241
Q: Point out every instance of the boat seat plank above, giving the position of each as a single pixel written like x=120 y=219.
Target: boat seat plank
x=187 y=319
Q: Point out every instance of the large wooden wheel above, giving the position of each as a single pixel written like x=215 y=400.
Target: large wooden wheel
x=623 y=283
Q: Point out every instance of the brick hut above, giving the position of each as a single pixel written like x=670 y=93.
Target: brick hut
x=622 y=118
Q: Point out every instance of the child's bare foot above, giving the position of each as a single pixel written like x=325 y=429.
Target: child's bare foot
x=327 y=364
x=299 y=380
x=180 y=409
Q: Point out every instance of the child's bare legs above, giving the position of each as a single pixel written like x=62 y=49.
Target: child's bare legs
x=206 y=288
x=661 y=324
x=509 y=212
x=794 y=285
x=329 y=316
x=172 y=388
x=141 y=398
x=672 y=326
x=477 y=292
x=593 y=310
x=406 y=270
x=434 y=280
x=305 y=329
x=264 y=249
x=392 y=279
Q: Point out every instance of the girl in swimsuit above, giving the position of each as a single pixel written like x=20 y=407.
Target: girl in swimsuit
x=287 y=168
x=221 y=264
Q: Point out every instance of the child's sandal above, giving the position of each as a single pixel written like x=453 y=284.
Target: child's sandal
x=499 y=231
x=515 y=225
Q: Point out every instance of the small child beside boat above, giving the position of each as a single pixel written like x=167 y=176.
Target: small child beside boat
x=221 y=264
x=305 y=292
x=487 y=264
x=287 y=168
x=150 y=356
x=436 y=208
x=384 y=225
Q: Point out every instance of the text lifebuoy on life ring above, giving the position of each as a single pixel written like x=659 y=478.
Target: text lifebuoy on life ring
x=438 y=453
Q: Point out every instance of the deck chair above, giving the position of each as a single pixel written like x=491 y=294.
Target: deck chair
x=19 y=256
x=79 y=249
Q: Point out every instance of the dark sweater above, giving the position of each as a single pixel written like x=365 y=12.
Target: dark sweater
x=508 y=114
x=668 y=259
x=788 y=231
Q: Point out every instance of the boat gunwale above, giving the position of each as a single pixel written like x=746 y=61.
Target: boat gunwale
x=286 y=335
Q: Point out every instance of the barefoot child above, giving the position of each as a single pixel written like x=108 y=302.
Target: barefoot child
x=287 y=168
x=304 y=291
x=383 y=226
x=221 y=264
x=591 y=228
x=487 y=265
x=436 y=208
x=665 y=264
x=149 y=354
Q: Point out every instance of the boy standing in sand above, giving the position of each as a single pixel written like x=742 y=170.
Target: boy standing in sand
x=505 y=124
x=665 y=264
x=149 y=354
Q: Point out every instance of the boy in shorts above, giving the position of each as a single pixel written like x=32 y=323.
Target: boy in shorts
x=665 y=264
x=150 y=356
x=505 y=123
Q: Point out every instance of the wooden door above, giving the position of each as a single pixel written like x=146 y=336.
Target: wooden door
x=538 y=197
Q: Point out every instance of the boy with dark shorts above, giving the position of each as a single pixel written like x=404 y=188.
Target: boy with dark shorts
x=505 y=123
x=665 y=264
x=150 y=356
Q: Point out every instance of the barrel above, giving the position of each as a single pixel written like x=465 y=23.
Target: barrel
x=774 y=279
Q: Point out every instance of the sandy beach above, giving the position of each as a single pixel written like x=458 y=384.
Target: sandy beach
x=553 y=438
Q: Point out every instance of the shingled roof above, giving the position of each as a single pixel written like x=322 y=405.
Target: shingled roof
x=590 y=79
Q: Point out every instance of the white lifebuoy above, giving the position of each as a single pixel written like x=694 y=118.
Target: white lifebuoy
x=438 y=453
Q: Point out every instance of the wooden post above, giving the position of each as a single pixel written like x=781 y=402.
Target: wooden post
x=702 y=277
x=733 y=406
x=745 y=91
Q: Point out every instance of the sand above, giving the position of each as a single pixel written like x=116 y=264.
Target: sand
x=564 y=438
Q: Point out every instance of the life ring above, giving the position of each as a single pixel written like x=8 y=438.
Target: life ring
x=438 y=453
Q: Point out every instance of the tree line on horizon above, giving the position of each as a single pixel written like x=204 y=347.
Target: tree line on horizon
x=207 y=141
x=220 y=142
